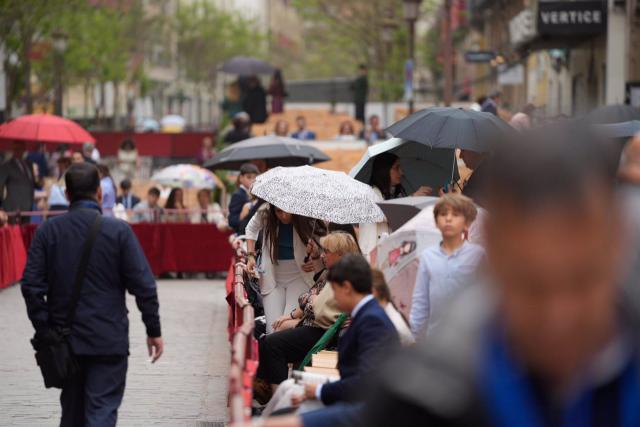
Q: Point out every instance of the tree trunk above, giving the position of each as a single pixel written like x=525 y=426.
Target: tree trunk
x=116 y=105
x=102 y=103
x=85 y=105
x=27 y=71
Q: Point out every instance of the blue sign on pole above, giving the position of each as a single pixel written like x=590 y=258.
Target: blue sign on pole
x=408 y=80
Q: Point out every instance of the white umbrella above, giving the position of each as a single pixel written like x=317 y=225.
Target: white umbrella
x=186 y=176
x=173 y=123
x=318 y=193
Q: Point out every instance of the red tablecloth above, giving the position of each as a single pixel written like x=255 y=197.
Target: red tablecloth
x=184 y=247
x=188 y=248
x=13 y=255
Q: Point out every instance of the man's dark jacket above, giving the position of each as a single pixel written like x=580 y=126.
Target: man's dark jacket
x=238 y=199
x=117 y=264
x=359 y=351
x=134 y=201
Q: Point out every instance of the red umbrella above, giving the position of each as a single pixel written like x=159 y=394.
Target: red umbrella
x=45 y=128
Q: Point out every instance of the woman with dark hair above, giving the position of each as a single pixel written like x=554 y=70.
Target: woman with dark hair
x=386 y=181
x=286 y=270
x=176 y=201
x=278 y=92
x=128 y=158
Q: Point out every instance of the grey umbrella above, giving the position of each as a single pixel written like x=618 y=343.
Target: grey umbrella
x=620 y=130
x=447 y=127
x=400 y=211
x=616 y=113
x=275 y=150
x=247 y=66
x=432 y=167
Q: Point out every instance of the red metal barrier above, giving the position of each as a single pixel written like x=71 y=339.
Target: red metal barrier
x=244 y=347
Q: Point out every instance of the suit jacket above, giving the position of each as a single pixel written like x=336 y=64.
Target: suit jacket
x=116 y=265
x=238 y=199
x=19 y=186
x=359 y=350
x=134 y=201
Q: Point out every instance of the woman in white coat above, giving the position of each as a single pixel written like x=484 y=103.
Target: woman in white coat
x=284 y=273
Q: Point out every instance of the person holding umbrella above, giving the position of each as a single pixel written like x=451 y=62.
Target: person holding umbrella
x=287 y=271
x=386 y=181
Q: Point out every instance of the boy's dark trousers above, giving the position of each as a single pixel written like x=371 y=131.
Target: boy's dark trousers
x=92 y=398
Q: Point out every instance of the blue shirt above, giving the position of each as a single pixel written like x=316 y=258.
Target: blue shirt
x=108 y=196
x=439 y=277
x=285 y=241
x=304 y=135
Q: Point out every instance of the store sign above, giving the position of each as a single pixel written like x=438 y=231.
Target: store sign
x=511 y=76
x=572 y=17
x=479 y=56
x=522 y=28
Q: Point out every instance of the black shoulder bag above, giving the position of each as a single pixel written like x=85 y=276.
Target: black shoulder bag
x=53 y=351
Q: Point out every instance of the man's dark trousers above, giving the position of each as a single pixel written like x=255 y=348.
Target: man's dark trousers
x=92 y=398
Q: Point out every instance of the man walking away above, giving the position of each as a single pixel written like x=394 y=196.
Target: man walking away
x=16 y=176
x=360 y=88
x=99 y=334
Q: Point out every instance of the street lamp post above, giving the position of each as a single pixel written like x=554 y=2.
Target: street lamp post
x=411 y=13
x=388 y=28
x=59 y=47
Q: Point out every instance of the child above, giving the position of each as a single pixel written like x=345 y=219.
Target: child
x=447 y=267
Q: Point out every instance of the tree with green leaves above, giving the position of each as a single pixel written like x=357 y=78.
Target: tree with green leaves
x=207 y=37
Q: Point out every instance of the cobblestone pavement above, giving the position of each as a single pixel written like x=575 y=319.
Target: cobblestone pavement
x=186 y=387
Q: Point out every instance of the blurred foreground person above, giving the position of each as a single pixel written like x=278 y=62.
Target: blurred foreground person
x=549 y=341
x=79 y=267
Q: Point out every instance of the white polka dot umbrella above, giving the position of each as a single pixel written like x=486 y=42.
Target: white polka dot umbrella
x=319 y=193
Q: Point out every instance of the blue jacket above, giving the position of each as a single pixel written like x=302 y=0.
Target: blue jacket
x=371 y=334
x=238 y=199
x=116 y=264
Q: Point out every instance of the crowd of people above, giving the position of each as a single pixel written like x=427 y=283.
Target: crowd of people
x=535 y=323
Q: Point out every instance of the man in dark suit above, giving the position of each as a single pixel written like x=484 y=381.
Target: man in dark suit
x=248 y=173
x=16 y=177
x=100 y=332
x=370 y=332
x=127 y=198
x=491 y=104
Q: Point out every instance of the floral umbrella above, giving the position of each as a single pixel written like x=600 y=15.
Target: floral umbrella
x=186 y=176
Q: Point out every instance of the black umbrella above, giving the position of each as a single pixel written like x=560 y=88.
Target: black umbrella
x=617 y=113
x=247 y=66
x=447 y=127
x=400 y=211
x=275 y=150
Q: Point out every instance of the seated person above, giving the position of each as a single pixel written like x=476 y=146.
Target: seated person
x=303 y=133
x=208 y=212
x=149 y=210
x=447 y=267
x=365 y=340
x=295 y=334
x=127 y=198
x=382 y=293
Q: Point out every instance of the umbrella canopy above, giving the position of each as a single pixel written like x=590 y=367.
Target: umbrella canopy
x=422 y=165
x=318 y=193
x=173 y=123
x=147 y=125
x=620 y=130
x=186 y=176
x=398 y=255
x=45 y=128
x=616 y=113
x=399 y=211
x=247 y=66
x=275 y=150
x=448 y=127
